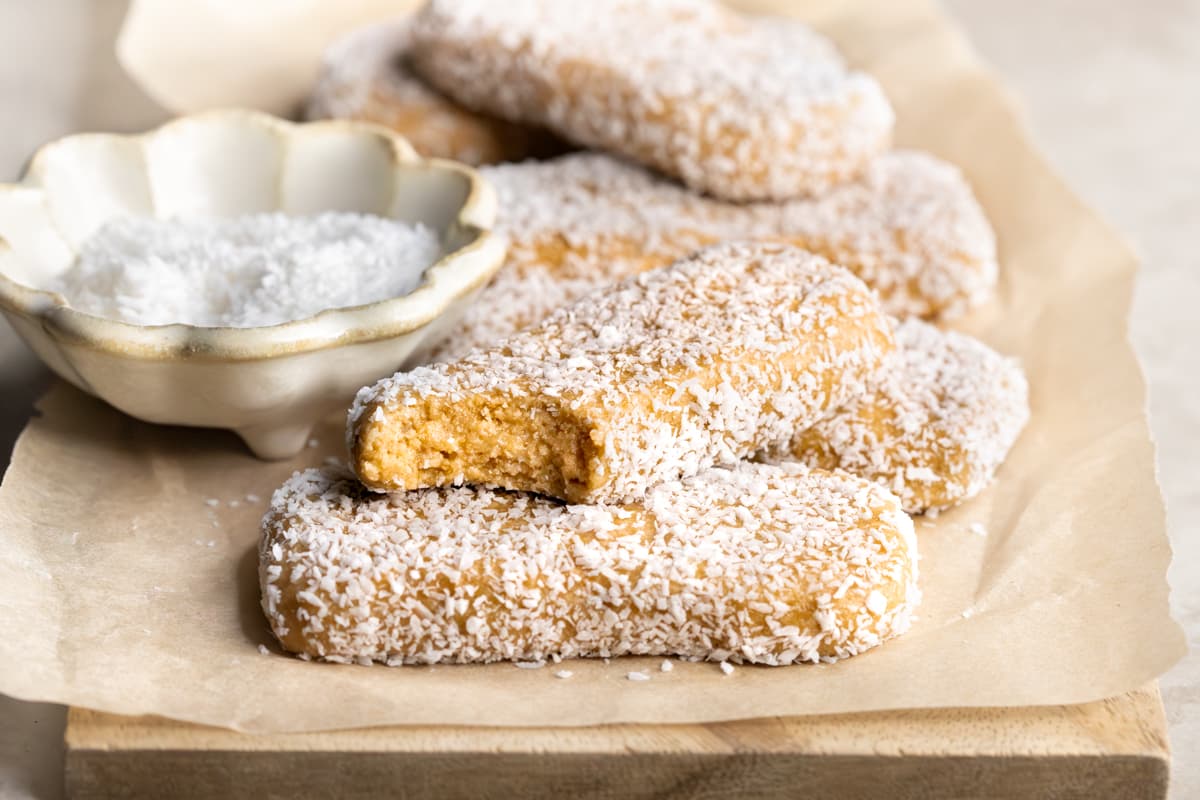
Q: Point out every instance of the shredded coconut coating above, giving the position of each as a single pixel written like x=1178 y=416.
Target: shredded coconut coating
x=744 y=108
x=701 y=363
x=765 y=564
x=245 y=271
x=938 y=421
x=365 y=75
x=909 y=227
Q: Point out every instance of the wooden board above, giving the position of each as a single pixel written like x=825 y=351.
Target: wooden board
x=1114 y=748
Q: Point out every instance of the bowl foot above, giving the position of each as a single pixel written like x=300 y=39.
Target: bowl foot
x=275 y=442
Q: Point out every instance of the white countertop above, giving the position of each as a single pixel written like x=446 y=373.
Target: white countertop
x=1113 y=91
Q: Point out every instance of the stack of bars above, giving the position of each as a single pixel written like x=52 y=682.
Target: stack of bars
x=695 y=410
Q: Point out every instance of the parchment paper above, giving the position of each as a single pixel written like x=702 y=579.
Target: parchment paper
x=127 y=572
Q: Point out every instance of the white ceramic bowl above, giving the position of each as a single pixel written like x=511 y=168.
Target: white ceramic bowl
x=268 y=384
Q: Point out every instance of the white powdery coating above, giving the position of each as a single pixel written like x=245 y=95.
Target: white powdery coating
x=938 y=421
x=365 y=75
x=741 y=107
x=761 y=563
x=246 y=271
x=910 y=227
x=364 y=62
x=702 y=363
x=584 y=197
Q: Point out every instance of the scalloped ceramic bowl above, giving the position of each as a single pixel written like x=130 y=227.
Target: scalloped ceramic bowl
x=269 y=384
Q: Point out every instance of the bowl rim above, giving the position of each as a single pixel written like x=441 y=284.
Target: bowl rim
x=335 y=327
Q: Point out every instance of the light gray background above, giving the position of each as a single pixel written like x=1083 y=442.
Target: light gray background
x=1113 y=93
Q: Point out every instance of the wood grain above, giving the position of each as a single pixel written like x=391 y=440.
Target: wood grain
x=1112 y=748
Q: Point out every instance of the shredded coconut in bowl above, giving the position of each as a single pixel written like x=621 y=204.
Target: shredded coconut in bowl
x=247 y=271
